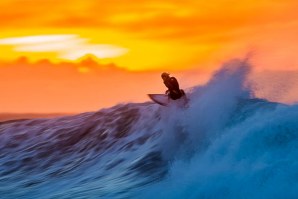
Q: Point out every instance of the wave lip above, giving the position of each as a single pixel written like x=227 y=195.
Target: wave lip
x=237 y=146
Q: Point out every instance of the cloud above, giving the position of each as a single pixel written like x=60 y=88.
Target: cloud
x=53 y=46
x=69 y=47
x=100 y=51
x=40 y=39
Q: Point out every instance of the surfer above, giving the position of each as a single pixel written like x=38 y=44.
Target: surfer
x=174 y=92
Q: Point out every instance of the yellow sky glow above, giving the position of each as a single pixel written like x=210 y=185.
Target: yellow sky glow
x=143 y=34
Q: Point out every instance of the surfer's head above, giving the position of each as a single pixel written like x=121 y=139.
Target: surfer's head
x=165 y=75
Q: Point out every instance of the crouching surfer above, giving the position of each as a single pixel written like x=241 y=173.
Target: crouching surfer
x=174 y=92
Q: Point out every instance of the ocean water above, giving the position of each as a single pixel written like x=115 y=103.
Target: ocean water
x=225 y=143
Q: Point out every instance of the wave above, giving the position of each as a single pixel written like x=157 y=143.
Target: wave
x=225 y=144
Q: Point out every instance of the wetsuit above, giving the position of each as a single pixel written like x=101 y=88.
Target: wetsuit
x=174 y=91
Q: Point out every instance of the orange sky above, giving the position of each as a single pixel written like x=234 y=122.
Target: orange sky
x=136 y=36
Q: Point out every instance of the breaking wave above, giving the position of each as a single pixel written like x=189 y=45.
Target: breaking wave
x=224 y=144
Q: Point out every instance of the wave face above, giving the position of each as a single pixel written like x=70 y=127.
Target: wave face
x=225 y=144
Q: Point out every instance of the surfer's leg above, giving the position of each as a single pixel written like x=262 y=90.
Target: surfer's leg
x=182 y=92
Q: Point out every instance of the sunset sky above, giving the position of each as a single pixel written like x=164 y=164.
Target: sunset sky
x=83 y=55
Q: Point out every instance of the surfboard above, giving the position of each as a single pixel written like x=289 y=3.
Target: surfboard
x=161 y=99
